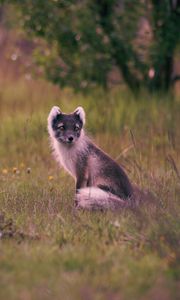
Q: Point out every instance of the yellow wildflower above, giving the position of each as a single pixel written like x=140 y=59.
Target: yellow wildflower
x=15 y=170
x=4 y=171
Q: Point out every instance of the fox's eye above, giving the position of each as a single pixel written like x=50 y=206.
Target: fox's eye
x=60 y=127
x=76 y=128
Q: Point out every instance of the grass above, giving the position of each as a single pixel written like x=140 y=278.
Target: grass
x=50 y=251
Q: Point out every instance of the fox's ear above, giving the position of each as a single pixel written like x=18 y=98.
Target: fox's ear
x=81 y=113
x=55 y=111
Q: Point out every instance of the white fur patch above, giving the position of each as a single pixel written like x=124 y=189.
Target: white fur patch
x=80 y=111
x=95 y=198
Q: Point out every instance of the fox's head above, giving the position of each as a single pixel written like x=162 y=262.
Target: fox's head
x=67 y=128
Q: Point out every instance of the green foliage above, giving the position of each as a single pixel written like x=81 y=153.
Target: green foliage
x=85 y=40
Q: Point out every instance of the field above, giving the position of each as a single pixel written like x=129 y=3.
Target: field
x=48 y=250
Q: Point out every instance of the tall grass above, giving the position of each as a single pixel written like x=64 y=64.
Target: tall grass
x=49 y=250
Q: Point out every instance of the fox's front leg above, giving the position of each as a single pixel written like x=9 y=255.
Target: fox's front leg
x=82 y=175
x=55 y=111
x=81 y=182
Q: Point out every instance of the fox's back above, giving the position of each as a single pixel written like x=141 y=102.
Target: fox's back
x=104 y=171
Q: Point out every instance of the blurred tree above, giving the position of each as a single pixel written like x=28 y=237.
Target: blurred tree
x=87 y=38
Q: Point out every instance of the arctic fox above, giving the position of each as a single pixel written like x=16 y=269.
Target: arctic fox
x=100 y=182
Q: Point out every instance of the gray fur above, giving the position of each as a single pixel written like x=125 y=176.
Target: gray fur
x=100 y=182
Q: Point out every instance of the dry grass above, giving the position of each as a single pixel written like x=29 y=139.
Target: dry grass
x=49 y=250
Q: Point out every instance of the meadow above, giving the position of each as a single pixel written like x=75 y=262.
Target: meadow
x=48 y=250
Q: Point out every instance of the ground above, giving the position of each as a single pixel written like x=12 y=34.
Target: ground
x=48 y=250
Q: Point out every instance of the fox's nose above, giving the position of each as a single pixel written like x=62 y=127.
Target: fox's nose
x=70 y=139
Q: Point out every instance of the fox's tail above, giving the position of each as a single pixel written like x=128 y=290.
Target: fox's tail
x=94 y=198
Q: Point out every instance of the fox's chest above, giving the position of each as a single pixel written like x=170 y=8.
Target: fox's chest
x=68 y=161
x=73 y=159
x=67 y=158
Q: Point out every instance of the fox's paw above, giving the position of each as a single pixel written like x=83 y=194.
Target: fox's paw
x=55 y=111
x=86 y=202
x=81 y=203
